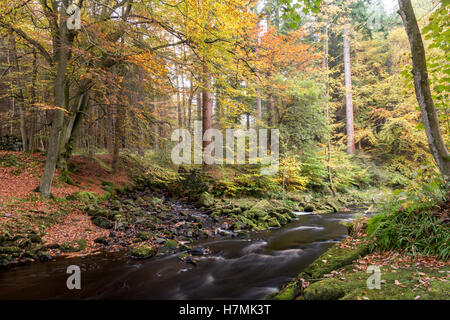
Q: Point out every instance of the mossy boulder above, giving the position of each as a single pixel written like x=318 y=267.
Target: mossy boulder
x=264 y=205
x=290 y=292
x=256 y=213
x=205 y=199
x=74 y=246
x=144 y=236
x=34 y=238
x=143 y=252
x=171 y=244
x=102 y=222
x=273 y=223
x=328 y=289
x=9 y=250
x=84 y=196
x=335 y=258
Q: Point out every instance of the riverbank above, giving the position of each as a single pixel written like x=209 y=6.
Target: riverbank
x=358 y=268
x=146 y=210
x=342 y=273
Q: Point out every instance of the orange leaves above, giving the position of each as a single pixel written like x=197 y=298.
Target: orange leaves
x=149 y=62
x=281 y=53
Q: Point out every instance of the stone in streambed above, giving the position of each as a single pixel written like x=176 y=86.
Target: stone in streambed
x=171 y=244
x=9 y=250
x=143 y=252
x=206 y=200
x=102 y=223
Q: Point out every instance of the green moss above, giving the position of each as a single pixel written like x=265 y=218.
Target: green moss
x=328 y=289
x=34 y=238
x=102 y=223
x=171 y=244
x=290 y=292
x=9 y=250
x=84 y=196
x=335 y=258
x=205 y=199
x=143 y=252
x=74 y=246
x=144 y=236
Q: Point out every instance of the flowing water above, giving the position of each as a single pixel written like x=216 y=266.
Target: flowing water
x=236 y=268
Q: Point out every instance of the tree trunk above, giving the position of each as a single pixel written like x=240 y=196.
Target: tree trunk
x=33 y=95
x=422 y=88
x=270 y=111
x=19 y=92
x=118 y=136
x=258 y=106
x=59 y=101
x=348 y=94
x=327 y=110
x=206 y=108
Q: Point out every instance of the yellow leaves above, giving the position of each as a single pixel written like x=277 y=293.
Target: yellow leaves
x=149 y=62
x=43 y=106
x=289 y=174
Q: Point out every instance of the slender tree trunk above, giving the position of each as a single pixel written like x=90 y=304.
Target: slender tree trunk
x=59 y=101
x=19 y=92
x=327 y=110
x=206 y=108
x=155 y=124
x=191 y=96
x=422 y=88
x=348 y=94
x=258 y=106
x=199 y=107
x=33 y=101
x=118 y=136
x=270 y=111
x=179 y=111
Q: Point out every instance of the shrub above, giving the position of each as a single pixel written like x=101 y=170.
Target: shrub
x=411 y=221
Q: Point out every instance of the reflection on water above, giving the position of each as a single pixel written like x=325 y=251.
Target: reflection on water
x=235 y=269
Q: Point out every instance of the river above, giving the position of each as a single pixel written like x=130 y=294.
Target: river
x=236 y=268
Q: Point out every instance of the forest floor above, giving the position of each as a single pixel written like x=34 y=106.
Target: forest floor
x=22 y=210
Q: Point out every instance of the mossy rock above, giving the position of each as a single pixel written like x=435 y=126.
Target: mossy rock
x=171 y=244
x=244 y=204
x=5 y=259
x=236 y=211
x=290 y=292
x=102 y=223
x=143 y=252
x=144 y=235
x=84 y=196
x=273 y=223
x=9 y=250
x=334 y=259
x=34 y=238
x=256 y=213
x=53 y=246
x=101 y=240
x=285 y=211
x=43 y=255
x=205 y=200
x=5 y=237
x=30 y=255
x=74 y=246
x=248 y=223
x=328 y=289
x=236 y=226
x=264 y=205
x=23 y=243
x=308 y=208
